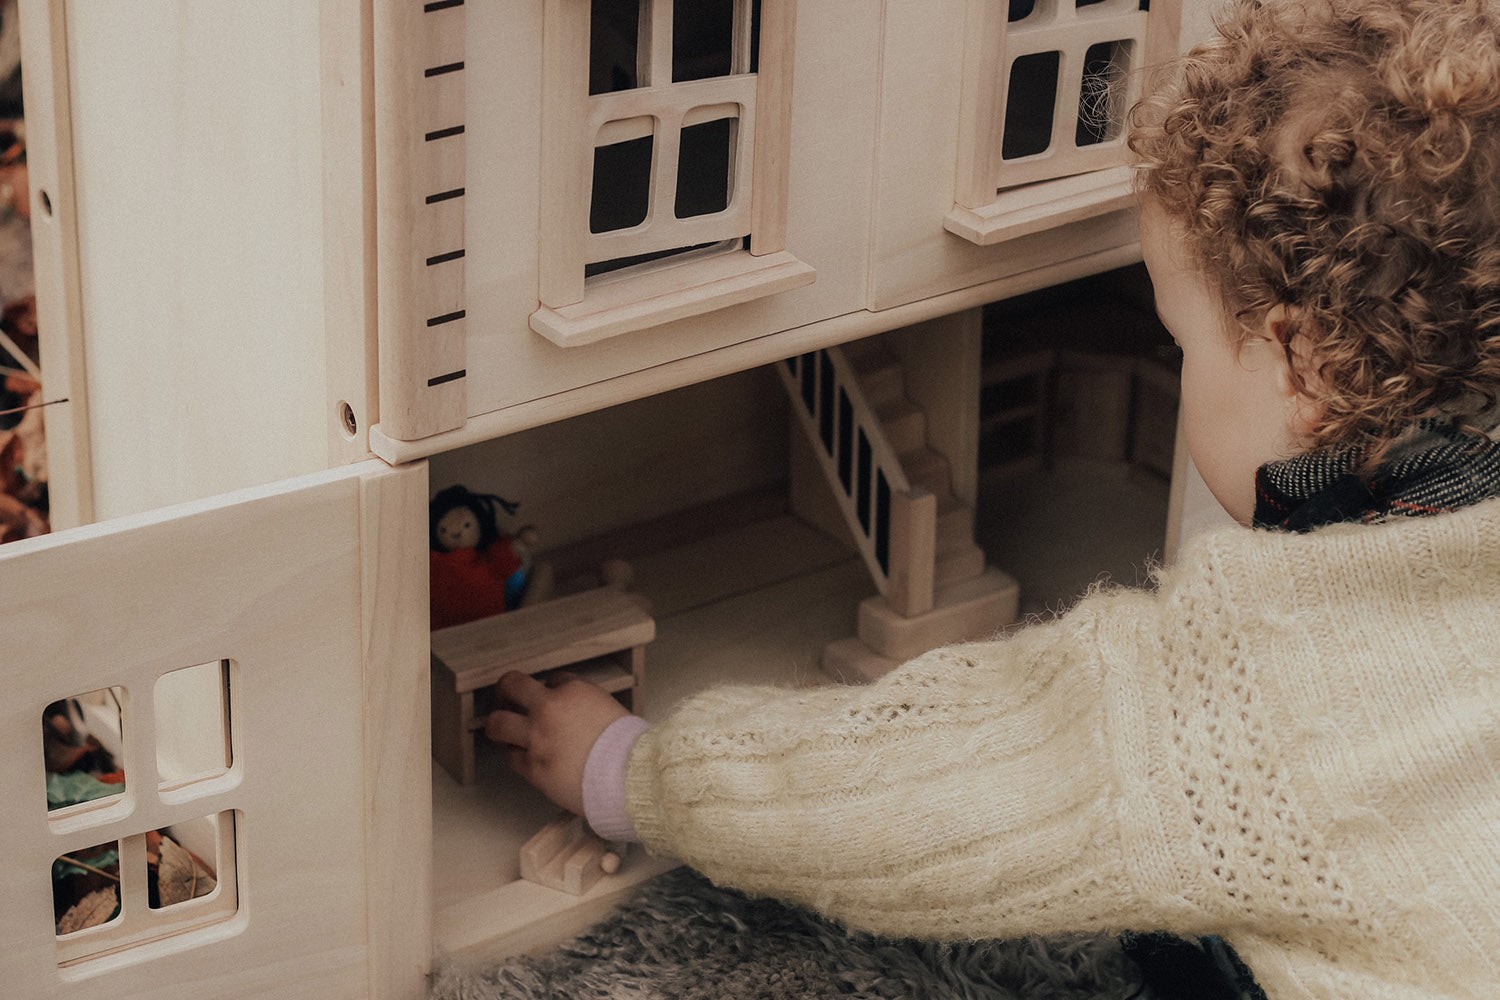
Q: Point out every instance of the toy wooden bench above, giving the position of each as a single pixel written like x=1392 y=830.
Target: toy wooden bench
x=599 y=634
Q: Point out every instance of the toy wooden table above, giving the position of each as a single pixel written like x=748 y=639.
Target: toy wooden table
x=600 y=635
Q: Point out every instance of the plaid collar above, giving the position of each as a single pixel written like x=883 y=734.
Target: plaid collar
x=1433 y=468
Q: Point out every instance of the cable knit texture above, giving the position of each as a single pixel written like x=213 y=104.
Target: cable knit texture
x=1293 y=742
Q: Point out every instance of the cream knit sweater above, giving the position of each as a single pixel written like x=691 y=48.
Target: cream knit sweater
x=1294 y=742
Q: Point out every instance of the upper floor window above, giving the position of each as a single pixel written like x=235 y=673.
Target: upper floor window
x=1048 y=84
x=665 y=136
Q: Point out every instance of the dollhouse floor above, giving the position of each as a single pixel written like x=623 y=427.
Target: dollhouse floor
x=1062 y=529
x=756 y=604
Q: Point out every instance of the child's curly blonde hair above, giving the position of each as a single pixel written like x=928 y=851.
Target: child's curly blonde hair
x=1342 y=158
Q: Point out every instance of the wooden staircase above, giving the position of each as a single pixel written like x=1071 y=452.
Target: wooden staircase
x=870 y=441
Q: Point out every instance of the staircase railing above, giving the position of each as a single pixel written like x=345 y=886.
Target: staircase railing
x=894 y=526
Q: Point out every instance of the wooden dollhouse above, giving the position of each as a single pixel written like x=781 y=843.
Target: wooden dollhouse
x=300 y=264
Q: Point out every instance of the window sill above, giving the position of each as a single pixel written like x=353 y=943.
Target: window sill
x=652 y=294
x=1044 y=205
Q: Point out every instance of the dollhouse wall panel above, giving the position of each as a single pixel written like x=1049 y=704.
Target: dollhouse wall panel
x=667 y=452
x=836 y=63
x=197 y=139
x=300 y=588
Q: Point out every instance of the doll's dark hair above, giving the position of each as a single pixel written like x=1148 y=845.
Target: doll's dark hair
x=1340 y=158
x=486 y=508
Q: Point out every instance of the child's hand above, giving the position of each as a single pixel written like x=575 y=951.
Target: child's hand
x=550 y=731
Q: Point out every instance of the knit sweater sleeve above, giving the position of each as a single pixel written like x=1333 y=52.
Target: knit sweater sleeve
x=975 y=792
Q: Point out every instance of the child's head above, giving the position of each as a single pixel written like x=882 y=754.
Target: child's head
x=1331 y=171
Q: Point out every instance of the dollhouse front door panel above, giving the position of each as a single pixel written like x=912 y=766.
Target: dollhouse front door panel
x=247 y=677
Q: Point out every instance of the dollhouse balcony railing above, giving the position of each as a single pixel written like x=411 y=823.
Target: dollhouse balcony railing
x=894 y=525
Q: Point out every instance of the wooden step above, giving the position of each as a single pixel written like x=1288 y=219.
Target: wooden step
x=958 y=563
x=883 y=385
x=976 y=608
x=955 y=522
x=927 y=470
x=904 y=423
x=867 y=353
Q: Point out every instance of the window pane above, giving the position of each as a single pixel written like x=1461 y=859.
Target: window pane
x=622 y=185
x=754 y=36
x=619 y=263
x=1101 y=103
x=81 y=744
x=702 y=39
x=704 y=163
x=184 y=862
x=86 y=888
x=192 y=723
x=1029 y=105
x=614 y=45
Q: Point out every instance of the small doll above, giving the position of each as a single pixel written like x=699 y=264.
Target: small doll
x=477 y=571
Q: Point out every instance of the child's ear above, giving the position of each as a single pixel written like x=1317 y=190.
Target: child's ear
x=1279 y=330
x=1297 y=377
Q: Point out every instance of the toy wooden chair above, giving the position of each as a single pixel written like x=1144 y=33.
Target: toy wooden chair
x=600 y=634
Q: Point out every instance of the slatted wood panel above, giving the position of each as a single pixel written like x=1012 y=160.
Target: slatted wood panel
x=420 y=168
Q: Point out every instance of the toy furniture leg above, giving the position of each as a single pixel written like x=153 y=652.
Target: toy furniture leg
x=452 y=732
x=637 y=656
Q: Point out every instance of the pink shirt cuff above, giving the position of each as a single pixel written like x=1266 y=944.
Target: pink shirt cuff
x=604 y=779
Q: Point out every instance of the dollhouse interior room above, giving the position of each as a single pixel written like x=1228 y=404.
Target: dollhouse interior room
x=381 y=347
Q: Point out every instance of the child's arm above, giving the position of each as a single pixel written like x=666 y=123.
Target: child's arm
x=954 y=798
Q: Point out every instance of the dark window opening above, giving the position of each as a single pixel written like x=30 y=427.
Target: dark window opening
x=606 y=266
x=1029 y=105
x=622 y=185
x=614 y=45
x=705 y=164
x=702 y=39
x=1101 y=103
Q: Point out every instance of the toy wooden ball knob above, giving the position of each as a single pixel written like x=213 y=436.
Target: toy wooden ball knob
x=610 y=862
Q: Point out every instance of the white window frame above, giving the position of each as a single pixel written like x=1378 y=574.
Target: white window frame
x=575 y=310
x=995 y=199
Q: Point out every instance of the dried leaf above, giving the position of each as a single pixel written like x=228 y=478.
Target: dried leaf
x=181 y=876
x=98 y=907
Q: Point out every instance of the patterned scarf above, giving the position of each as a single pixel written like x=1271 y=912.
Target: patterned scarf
x=1432 y=469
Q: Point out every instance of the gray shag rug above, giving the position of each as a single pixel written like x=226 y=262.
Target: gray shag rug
x=684 y=938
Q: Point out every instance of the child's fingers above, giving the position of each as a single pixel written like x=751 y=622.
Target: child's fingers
x=509 y=728
x=522 y=689
x=558 y=678
x=521 y=764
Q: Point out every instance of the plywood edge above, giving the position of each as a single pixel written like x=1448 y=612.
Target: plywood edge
x=396 y=728
x=346 y=43
x=696 y=287
x=54 y=233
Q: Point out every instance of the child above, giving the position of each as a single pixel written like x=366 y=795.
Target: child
x=1293 y=741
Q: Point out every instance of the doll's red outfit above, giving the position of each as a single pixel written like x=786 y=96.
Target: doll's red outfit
x=468 y=584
